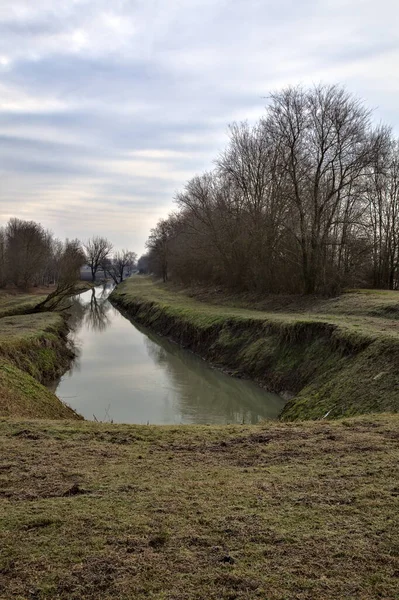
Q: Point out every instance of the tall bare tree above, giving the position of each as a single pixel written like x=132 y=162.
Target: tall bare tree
x=306 y=200
x=325 y=144
x=97 y=250
x=383 y=204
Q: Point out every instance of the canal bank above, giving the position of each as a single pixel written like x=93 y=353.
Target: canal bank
x=334 y=365
x=34 y=350
x=125 y=373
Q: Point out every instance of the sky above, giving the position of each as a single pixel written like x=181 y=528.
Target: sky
x=108 y=107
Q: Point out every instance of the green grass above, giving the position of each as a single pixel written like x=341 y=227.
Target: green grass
x=23 y=396
x=371 y=313
x=33 y=351
x=338 y=356
x=17 y=304
x=35 y=343
x=277 y=511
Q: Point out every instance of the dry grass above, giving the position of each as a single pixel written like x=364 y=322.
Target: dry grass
x=277 y=511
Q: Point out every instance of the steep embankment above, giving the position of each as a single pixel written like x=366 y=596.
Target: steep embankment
x=33 y=351
x=340 y=363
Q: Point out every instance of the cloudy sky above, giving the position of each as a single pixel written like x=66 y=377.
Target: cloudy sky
x=108 y=107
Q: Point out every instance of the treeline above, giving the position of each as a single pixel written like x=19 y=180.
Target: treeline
x=32 y=256
x=306 y=200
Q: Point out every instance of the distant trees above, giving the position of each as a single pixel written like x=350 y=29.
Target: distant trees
x=70 y=261
x=159 y=245
x=143 y=264
x=97 y=250
x=307 y=200
x=120 y=265
x=31 y=256
x=28 y=252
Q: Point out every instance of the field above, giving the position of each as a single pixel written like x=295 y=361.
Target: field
x=276 y=511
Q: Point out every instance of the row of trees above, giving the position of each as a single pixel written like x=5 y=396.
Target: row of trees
x=98 y=252
x=32 y=256
x=307 y=200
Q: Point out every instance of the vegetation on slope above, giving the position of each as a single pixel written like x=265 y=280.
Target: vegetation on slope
x=17 y=304
x=33 y=351
x=338 y=361
x=23 y=396
x=273 y=511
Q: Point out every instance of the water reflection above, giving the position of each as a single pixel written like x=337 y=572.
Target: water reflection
x=206 y=394
x=92 y=308
x=89 y=310
x=96 y=315
x=126 y=373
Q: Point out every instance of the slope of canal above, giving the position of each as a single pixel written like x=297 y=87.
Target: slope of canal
x=125 y=373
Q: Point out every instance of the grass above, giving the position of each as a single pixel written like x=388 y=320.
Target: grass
x=276 y=511
x=372 y=313
x=33 y=351
x=338 y=356
x=17 y=304
x=23 y=396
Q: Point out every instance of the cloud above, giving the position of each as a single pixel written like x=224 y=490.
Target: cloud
x=107 y=108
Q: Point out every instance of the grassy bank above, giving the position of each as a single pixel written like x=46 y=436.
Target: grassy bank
x=337 y=356
x=33 y=351
x=304 y=510
x=17 y=304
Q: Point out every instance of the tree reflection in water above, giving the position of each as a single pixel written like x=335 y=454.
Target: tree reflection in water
x=91 y=309
x=96 y=311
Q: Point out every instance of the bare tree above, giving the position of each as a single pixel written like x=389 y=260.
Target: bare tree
x=159 y=245
x=28 y=252
x=307 y=200
x=97 y=250
x=383 y=203
x=71 y=260
x=3 y=257
x=250 y=164
x=142 y=264
x=325 y=143
x=120 y=265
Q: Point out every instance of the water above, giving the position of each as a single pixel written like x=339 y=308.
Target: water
x=127 y=374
